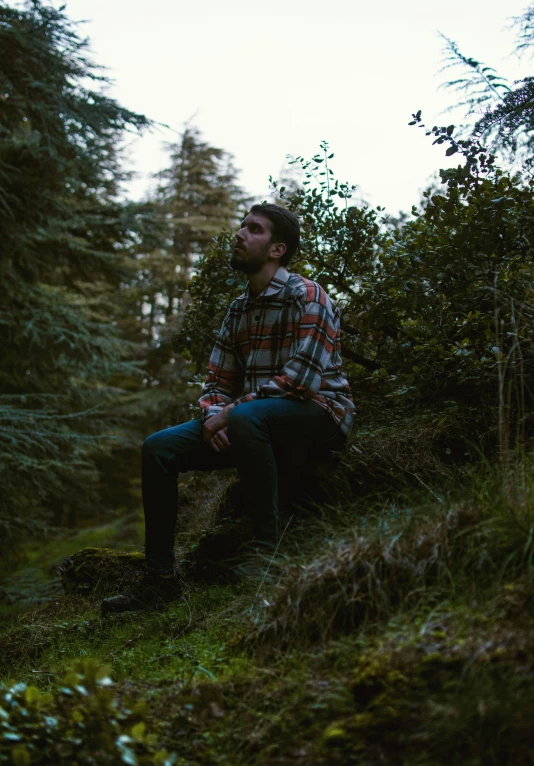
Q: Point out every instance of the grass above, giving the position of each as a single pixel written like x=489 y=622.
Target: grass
x=389 y=630
x=155 y=645
x=35 y=577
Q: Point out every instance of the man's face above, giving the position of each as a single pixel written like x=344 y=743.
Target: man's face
x=252 y=244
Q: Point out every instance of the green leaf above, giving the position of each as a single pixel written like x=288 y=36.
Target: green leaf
x=138 y=731
x=31 y=695
x=128 y=756
x=206 y=672
x=21 y=756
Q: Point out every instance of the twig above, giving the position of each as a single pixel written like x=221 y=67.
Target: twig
x=440 y=499
x=270 y=562
x=184 y=630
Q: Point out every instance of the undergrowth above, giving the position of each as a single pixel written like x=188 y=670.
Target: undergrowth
x=389 y=630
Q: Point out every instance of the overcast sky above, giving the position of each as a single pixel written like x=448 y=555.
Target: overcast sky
x=267 y=79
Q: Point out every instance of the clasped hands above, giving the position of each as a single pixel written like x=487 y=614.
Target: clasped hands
x=215 y=429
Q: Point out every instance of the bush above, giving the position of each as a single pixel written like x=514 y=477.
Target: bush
x=82 y=723
x=436 y=313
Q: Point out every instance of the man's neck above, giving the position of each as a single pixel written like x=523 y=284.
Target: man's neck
x=259 y=281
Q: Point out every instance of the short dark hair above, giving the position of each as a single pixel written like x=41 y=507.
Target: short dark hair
x=286 y=227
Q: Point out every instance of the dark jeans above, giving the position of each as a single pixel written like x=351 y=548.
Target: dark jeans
x=259 y=432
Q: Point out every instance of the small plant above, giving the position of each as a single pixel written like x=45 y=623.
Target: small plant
x=83 y=722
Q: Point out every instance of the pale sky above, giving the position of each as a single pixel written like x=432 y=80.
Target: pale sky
x=266 y=79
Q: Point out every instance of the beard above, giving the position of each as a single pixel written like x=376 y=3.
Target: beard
x=238 y=263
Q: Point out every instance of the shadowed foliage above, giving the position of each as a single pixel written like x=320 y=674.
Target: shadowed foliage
x=393 y=624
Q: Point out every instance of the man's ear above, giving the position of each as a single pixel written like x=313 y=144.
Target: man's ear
x=278 y=249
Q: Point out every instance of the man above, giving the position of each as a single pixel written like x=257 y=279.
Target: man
x=275 y=381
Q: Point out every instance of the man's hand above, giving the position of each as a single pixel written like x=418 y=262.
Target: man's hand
x=219 y=441
x=215 y=429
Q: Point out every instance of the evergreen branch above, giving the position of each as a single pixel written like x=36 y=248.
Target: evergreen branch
x=524 y=26
x=512 y=117
x=19 y=414
x=31 y=435
x=479 y=83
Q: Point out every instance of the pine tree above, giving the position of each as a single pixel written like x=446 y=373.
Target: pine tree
x=197 y=197
x=507 y=121
x=63 y=229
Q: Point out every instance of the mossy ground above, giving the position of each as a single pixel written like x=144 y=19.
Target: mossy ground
x=431 y=662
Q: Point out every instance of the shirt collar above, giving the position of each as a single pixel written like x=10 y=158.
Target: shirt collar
x=275 y=285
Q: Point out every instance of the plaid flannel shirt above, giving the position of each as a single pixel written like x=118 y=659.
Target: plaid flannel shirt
x=283 y=343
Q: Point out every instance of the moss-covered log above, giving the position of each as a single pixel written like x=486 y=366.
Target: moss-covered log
x=101 y=570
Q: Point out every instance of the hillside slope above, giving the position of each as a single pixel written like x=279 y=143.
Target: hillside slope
x=389 y=628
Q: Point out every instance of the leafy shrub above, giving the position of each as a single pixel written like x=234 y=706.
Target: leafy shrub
x=437 y=313
x=83 y=723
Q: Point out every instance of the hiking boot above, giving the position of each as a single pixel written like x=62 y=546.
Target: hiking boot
x=152 y=592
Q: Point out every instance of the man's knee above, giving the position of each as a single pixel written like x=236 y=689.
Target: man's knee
x=153 y=444
x=244 y=422
x=170 y=443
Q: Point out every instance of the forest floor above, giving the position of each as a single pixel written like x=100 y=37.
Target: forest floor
x=394 y=629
